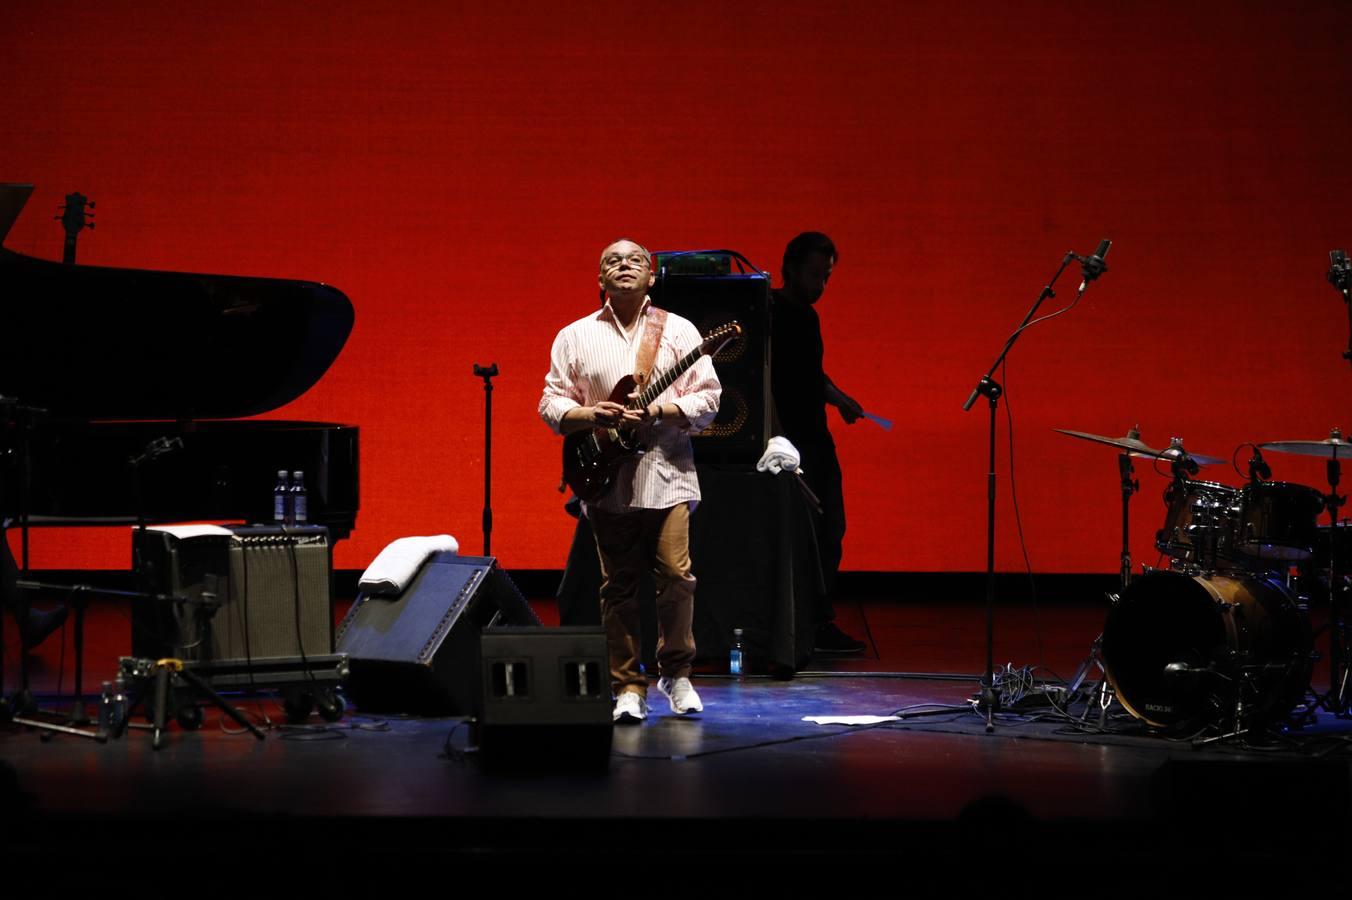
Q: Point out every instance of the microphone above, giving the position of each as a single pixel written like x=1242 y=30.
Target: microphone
x=1259 y=470
x=1340 y=272
x=1094 y=266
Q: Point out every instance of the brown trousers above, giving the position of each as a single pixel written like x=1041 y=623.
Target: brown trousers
x=627 y=543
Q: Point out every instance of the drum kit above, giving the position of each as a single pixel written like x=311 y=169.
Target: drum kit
x=1220 y=637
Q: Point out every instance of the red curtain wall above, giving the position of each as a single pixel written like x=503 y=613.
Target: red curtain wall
x=456 y=168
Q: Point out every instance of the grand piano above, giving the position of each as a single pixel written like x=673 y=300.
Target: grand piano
x=98 y=364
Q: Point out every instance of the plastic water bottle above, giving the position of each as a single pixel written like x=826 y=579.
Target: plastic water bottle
x=300 y=503
x=737 y=657
x=281 y=498
x=106 y=723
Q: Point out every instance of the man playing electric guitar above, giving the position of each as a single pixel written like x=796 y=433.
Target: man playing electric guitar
x=642 y=519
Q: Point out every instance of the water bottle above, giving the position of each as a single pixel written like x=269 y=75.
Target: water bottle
x=120 y=709
x=106 y=701
x=300 y=505
x=281 y=498
x=737 y=657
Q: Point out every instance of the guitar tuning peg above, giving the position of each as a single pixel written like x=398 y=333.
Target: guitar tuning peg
x=91 y=204
x=89 y=225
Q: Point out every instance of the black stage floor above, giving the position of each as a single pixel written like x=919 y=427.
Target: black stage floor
x=932 y=801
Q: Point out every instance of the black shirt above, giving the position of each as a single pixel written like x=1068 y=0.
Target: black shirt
x=798 y=381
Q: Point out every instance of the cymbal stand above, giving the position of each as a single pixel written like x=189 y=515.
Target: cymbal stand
x=1102 y=692
x=1335 y=701
x=1130 y=486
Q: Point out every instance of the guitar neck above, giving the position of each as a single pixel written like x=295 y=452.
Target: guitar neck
x=663 y=381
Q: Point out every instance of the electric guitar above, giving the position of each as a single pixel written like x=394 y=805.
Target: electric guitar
x=592 y=456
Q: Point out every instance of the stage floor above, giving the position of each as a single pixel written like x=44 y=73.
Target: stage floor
x=931 y=799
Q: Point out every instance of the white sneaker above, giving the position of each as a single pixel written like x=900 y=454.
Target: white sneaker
x=681 y=694
x=630 y=707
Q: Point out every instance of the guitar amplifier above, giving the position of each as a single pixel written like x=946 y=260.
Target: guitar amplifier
x=251 y=593
x=709 y=296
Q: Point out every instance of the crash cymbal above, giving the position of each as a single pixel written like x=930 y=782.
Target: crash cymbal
x=1332 y=448
x=1132 y=443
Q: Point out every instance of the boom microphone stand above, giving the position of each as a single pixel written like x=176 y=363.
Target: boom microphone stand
x=988 y=387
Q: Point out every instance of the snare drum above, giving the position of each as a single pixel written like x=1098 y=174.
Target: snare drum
x=1278 y=520
x=1199 y=526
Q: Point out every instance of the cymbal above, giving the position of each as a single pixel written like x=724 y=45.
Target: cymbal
x=1332 y=448
x=1132 y=443
x=1200 y=458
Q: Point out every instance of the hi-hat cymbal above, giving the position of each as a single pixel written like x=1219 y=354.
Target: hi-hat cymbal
x=1132 y=443
x=1332 y=448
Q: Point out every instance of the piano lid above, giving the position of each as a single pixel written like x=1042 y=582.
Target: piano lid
x=94 y=342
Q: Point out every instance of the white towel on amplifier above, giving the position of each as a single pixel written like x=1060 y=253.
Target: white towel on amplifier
x=780 y=455
x=392 y=570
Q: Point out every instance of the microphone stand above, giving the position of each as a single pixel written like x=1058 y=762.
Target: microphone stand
x=1340 y=276
x=488 y=373
x=990 y=389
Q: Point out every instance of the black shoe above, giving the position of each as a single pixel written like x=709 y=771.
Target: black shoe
x=830 y=639
x=40 y=626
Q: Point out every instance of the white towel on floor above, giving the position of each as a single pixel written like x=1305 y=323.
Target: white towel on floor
x=392 y=570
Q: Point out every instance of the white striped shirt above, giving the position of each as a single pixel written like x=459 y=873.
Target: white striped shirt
x=590 y=356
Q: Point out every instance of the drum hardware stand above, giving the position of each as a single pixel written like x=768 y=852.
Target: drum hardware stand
x=1130 y=485
x=1103 y=690
x=1335 y=701
x=1247 y=676
x=165 y=675
x=990 y=389
x=1101 y=694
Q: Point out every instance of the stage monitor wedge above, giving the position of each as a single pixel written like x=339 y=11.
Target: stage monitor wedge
x=418 y=652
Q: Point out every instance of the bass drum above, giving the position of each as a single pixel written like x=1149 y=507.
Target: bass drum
x=1181 y=650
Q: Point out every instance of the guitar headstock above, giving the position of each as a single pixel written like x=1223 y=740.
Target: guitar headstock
x=720 y=337
x=73 y=216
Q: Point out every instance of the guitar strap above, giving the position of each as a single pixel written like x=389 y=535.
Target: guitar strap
x=647 y=349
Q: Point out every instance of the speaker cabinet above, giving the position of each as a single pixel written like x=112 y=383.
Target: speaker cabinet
x=544 y=701
x=739 y=432
x=250 y=593
x=418 y=652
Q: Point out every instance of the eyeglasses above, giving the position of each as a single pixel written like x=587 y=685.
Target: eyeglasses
x=636 y=260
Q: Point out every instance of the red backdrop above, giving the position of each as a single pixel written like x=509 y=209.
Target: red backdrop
x=456 y=168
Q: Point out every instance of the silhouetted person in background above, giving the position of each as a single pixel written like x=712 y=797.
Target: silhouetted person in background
x=802 y=391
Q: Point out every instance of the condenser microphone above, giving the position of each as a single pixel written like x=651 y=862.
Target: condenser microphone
x=1094 y=266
